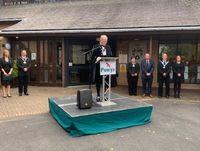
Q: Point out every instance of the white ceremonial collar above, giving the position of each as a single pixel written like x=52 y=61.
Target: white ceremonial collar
x=24 y=58
x=164 y=63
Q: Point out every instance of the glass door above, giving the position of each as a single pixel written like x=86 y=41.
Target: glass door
x=79 y=68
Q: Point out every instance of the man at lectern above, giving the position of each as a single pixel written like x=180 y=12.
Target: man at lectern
x=100 y=50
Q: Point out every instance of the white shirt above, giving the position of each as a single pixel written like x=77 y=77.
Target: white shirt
x=103 y=50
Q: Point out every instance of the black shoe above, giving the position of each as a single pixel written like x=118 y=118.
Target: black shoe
x=167 y=96
x=98 y=99
x=26 y=94
x=20 y=94
x=175 y=95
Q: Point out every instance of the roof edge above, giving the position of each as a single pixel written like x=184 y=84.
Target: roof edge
x=10 y=19
x=99 y=30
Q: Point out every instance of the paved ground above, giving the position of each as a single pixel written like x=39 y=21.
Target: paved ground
x=37 y=102
x=175 y=126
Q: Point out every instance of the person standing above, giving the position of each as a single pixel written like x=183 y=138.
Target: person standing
x=133 y=70
x=147 y=67
x=6 y=65
x=178 y=75
x=100 y=50
x=164 y=69
x=23 y=64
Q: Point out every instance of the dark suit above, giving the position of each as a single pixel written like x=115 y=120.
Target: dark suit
x=23 y=75
x=96 y=66
x=132 y=79
x=163 y=67
x=147 y=80
x=178 y=68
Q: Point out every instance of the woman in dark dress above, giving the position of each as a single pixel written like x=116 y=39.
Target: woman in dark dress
x=178 y=75
x=6 y=65
x=133 y=70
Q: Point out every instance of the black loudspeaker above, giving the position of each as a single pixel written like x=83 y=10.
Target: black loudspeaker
x=84 y=99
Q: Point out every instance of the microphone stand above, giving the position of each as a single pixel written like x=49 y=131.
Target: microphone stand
x=91 y=50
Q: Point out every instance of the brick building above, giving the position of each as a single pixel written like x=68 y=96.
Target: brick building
x=57 y=33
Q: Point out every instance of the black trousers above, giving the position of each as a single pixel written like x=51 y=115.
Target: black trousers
x=177 y=88
x=162 y=81
x=177 y=85
x=23 y=84
x=147 y=85
x=98 y=81
x=132 y=85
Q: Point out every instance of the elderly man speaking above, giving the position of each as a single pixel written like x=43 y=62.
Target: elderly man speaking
x=102 y=50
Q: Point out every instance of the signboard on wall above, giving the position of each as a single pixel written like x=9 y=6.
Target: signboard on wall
x=138 y=49
x=33 y=56
x=123 y=58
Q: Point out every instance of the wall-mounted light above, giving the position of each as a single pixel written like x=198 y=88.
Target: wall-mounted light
x=8 y=46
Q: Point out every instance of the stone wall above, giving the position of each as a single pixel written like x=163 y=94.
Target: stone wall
x=3 y=41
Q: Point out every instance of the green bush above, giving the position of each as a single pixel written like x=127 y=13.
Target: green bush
x=15 y=69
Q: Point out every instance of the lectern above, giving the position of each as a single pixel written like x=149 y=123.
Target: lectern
x=107 y=68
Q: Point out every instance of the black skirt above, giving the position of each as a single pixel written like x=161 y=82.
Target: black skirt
x=6 y=80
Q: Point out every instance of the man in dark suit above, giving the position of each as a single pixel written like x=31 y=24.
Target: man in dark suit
x=23 y=64
x=164 y=69
x=100 y=50
x=147 y=67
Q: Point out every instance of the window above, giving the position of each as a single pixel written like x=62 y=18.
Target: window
x=77 y=54
x=59 y=61
x=190 y=52
x=79 y=64
x=170 y=47
x=187 y=49
x=198 y=62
